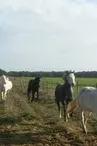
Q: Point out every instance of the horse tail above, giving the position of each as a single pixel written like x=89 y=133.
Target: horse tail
x=30 y=83
x=55 y=96
x=29 y=87
x=56 y=90
x=10 y=85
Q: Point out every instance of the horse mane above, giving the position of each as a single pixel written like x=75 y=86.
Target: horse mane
x=5 y=77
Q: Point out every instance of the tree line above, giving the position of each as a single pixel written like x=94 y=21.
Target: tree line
x=82 y=74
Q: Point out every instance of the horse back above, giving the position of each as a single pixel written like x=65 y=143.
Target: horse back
x=87 y=99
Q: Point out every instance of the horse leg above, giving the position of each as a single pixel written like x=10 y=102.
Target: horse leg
x=87 y=114
x=65 y=111
x=2 y=95
x=5 y=94
x=33 y=93
x=59 y=109
x=83 y=122
x=28 y=94
x=37 y=93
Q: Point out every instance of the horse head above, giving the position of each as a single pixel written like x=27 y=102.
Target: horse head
x=69 y=77
x=37 y=79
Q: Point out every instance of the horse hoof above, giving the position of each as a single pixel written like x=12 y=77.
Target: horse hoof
x=66 y=120
x=85 y=131
x=71 y=115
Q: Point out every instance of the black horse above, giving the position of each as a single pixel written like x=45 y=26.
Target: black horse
x=64 y=93
x=33 y=86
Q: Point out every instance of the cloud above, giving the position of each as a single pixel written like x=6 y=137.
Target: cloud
x=48 y=35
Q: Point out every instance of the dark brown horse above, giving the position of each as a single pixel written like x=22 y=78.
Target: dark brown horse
x=64 y=93
x=33 y=86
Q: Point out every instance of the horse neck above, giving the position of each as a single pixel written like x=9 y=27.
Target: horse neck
x=66 y=84
x=7 y=79
x=36 y=81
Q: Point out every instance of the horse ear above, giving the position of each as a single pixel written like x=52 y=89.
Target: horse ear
x=66 y=72
x=64 y=76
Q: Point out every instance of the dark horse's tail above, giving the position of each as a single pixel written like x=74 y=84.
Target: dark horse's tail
x=29 y=87
x=56 y=92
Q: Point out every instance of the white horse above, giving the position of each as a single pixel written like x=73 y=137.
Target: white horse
x=87 y=103
x=5 y=86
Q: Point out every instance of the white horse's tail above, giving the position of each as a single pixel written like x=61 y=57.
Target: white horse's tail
x=10 y=85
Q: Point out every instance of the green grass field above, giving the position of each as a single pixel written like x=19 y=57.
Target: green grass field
x=38 y=123
x=49 y=84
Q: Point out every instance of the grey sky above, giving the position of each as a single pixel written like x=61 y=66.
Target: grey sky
x=46 y=35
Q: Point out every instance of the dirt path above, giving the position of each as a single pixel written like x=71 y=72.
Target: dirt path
x=42 y=127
